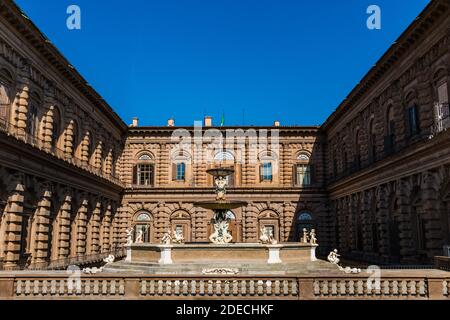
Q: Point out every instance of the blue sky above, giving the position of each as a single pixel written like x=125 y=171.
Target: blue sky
x=255 y=60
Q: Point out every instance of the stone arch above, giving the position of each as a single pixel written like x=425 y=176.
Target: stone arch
x=181 y=220
x=143 y=221
x=269 y=219
x=6 y=94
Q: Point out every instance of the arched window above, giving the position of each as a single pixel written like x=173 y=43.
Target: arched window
x=412 y=116
x=143 y=224
x=144 y=174
x=5 y=101
x=390 y=130
x=304 y=221
x=32 y=116
x=75 y=140
x=227 y=159
x=224 y=156
x=372 y=141
x=56 y=128
x=358 y=146
x=267 y=160
x=303 y=171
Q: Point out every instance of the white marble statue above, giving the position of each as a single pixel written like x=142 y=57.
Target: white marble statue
x=167 y=238
x=221 y=234
x=312 y=237
x=264 y=238
x=109 y=259
x=129 y=236
x=94 y=270
x=178 y=236
x=333 y=257
x=221 y=188
x=267 y=236
x=139 y=237
x=305 y=238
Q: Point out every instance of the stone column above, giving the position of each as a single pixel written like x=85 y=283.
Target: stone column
x=82 y=217
x=47 y=129
x=13 y=221
x=69 y=139
x=164 y=162
x=95 y=228
x=431 y=216
x=108 y=162
x=42 y=227
x=383 y=213
x=64 y=228
x=366 y=223
x=23 y=96
x=106 y=229
x=98 y=155
x=85 y=146
x=289 y=223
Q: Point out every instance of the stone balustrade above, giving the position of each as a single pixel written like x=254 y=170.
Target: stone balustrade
x=66 y=285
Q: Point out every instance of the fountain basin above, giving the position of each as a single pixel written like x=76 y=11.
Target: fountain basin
x=240 y=253
x=220 y=204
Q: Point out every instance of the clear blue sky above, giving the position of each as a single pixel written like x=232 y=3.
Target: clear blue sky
x=294 y=61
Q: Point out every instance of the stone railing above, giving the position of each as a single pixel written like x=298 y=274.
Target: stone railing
x=442 y=263
x=62 y=264
x=66 y=285
x=22 y=136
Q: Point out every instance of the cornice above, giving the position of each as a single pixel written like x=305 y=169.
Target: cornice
x=433 y=13
x=33 y=36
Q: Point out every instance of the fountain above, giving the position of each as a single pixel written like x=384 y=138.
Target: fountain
x=220 y=256
x=220 y=206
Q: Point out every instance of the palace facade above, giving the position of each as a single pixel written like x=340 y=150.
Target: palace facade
x=373 y=180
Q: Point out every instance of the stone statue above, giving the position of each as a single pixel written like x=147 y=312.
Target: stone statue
x=267 y=236
x=312 y=237
x=221 y=234
x=221 y=188
x=129 y=236
x=333 y=257
x=264 y=238
x=140 y=237
x=178 y=236
x=167 y=238
x=305 y=238
x=109 y=259
x=93 y=270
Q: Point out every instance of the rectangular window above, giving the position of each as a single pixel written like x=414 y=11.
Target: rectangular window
x=145 y=174
x=266 y=171
x=413 y=120
x=303 y=175
x=181 y=171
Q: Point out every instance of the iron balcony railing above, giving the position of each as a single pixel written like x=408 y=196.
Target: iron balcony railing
x=23 y=136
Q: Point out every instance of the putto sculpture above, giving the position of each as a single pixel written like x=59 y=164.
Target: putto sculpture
x=129 y=237
x=333 y=257
x=267 y=236
x=178 y=236
x=167 y=238
x=140 y=237
x=312 y=237
x=305 y=237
